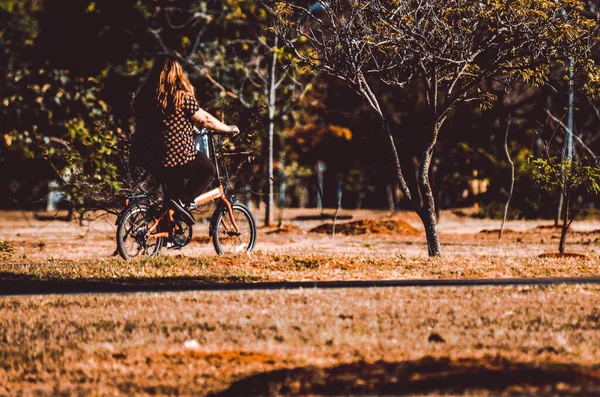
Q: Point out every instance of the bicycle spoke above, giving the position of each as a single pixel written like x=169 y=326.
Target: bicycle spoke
x=227 y=239
x=133 y=239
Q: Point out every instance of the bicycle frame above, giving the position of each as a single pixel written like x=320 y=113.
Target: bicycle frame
x=218 y=193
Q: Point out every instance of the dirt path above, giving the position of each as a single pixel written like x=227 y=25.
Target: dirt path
x=50 y=238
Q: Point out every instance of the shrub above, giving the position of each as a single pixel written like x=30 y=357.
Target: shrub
x=6 y=249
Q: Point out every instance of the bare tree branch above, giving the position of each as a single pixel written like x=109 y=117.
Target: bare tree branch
x=577 y=138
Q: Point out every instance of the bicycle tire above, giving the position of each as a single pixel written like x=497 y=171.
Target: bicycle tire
x=226 y=242
x=132 y=234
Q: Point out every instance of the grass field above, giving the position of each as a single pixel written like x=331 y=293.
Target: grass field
x=432 y=341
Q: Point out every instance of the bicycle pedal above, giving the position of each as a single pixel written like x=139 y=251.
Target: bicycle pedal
x=240 y=248
x=172 y=246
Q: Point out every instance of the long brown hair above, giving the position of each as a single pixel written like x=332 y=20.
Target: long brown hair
x=165 y=87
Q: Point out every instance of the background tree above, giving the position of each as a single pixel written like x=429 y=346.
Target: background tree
x=567 y=176
x=447 y=47
x=53 y=105
x=70 y=68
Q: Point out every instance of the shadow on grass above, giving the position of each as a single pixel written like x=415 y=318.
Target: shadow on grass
x=321 y=217
x=14 y=284
x=19 y=284
x=425 y=376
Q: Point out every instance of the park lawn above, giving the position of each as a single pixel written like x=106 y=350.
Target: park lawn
x=455 y=340
x=430 y=340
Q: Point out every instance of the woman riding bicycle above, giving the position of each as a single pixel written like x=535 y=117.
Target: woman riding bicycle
x=166 y=116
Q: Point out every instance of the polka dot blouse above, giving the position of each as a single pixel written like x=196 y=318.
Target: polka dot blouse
x=165 y=140
x=178 y=134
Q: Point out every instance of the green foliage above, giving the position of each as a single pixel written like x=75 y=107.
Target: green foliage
x=19 y=29
x=48 y=114
x=565 y=175
x=91 y=175
x=57 y=113
x=70 y=68
x=553 y=172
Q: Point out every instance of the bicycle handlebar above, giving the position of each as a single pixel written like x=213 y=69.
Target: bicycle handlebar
x=228 y=154
x=205 y=130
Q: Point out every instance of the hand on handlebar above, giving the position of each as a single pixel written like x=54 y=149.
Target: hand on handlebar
x=234 y=130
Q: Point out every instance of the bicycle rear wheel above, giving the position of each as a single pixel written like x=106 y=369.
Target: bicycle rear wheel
x=133 y=240
x=225 y=239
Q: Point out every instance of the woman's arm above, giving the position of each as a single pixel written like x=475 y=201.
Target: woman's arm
x=204 y=119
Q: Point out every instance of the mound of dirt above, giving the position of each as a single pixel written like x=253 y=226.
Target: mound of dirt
x=496 y=231
x=367 y=226
x=201 y=239
x=562 y=255
x=287 y=229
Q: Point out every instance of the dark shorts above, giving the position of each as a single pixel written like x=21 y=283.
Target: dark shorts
x=187 y=181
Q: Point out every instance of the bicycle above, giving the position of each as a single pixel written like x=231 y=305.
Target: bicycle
x=147 y=223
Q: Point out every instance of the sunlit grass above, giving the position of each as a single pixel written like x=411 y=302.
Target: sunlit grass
x=295 y=267
x=196 y=342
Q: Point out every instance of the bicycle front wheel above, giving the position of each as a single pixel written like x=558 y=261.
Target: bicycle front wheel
x=133 y=240
x=225 y=237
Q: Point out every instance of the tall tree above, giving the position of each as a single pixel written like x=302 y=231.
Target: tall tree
x=449 y=47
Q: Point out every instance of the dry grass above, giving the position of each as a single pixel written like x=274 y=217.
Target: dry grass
x=202 y=342
x=473 y=341
x=287 y=267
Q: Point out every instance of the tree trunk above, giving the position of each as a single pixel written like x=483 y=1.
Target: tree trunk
x=512 y=177
x=565 y=226
x=390 y=197
x=395 y=159
x=559 y=213
x=427 y=215
x=426 y=211
x=281 y=178
x=270 y=175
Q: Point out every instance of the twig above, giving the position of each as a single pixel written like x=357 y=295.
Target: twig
x=337 y=210
x=512 y=177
